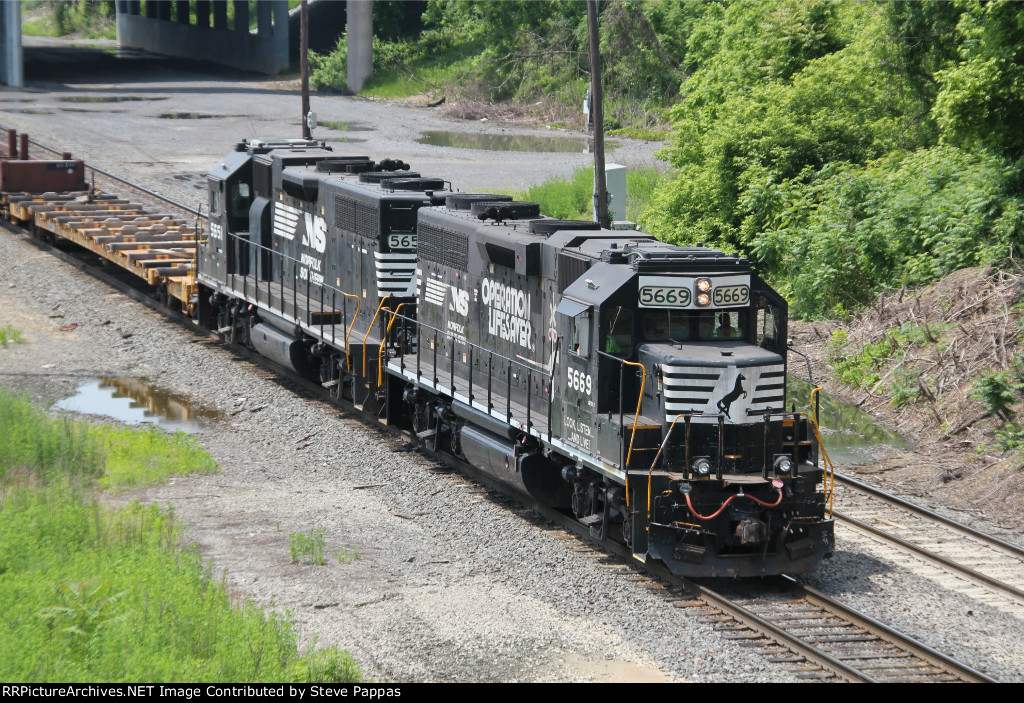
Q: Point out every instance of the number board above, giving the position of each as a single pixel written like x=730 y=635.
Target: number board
x=678 y=292
x=401 y=241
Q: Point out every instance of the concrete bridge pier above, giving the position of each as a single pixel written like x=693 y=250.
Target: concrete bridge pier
x=11 y=69
x=360 y=43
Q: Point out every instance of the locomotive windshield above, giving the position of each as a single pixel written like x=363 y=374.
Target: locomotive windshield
x=694 y=325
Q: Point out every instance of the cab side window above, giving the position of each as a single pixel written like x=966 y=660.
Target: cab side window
x=618 y=331
x=215 y=200
x=767 y=326
x=580 y=343
x=240 y=200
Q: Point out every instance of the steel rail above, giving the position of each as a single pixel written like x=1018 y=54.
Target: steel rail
x=1007 y=547
x=786 y=639
x=937 y=559
x=916 y=647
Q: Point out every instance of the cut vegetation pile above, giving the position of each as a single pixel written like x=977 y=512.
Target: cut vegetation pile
x=944 y=366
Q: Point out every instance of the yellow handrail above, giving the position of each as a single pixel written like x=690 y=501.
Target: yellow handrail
x=830 y=477
x=370 y=328
x=348 y=360
x=380 y=352
x=636 y=417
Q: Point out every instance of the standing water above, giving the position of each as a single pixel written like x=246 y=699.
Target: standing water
x=848 y=432
x=133 y=401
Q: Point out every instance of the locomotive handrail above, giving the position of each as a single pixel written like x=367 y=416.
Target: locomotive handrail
x=829 y=466
x=348 y=360
x=830 y=470
x=380 y=352
x=491 y=354
x=624 y=457
x=636 y=416
x=238 y=241
x=370 y=329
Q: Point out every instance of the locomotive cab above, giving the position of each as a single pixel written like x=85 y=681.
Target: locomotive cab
x=675 y=373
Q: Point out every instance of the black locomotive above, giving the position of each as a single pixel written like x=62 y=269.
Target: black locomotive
x=639 y=385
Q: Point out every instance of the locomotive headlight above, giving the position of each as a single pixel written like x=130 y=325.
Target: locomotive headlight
x=784 y=464
x=703 y=290
x=702 y=466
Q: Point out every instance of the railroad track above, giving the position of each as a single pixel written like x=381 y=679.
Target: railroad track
x=994 y=567
x=812 y=634
x=791 y=624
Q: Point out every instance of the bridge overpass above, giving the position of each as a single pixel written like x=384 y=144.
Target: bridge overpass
x=206 y=31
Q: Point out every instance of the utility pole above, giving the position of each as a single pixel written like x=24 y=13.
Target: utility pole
x=600 y=186
x=304 y=68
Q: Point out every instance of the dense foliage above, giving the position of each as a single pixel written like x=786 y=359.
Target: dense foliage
x=524 y=51
x=845 y=147
x=842 y=146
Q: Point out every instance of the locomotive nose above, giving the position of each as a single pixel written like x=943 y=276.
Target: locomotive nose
x=734 y=379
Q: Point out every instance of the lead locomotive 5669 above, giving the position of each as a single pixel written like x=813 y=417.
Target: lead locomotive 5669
x=639 y=385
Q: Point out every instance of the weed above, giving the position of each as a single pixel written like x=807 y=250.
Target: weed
x=87 y=606
x=347 y=555
x=904 y=388
x=308 y=548
x=999 y=392
x=864 y=367
x=9 y=334
x=329 y=665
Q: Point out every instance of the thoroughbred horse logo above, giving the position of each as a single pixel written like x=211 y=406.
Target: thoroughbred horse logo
x=726 y=402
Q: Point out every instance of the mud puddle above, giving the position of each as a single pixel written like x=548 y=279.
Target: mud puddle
x=509 y=142
x=107 y=98
x=133 y=401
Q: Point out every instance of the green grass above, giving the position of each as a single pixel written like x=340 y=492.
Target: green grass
x=9 y=334
x=399 y=78
x=137 y=456
x=348 y=555
x=86 y=19
x=115 y=457
x=91 y=594
x=425 y=75
x=308 y=548
x=572 y=198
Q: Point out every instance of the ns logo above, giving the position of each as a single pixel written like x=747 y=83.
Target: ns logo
x=315 y=236
x=459 y=302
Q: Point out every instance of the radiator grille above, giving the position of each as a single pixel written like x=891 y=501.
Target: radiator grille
x=443 y=246
x=351 y=216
